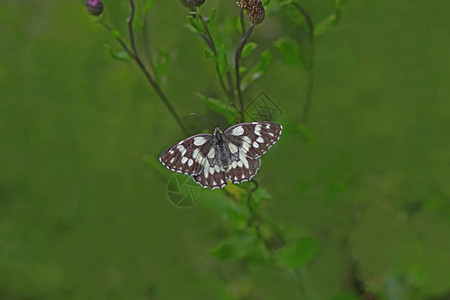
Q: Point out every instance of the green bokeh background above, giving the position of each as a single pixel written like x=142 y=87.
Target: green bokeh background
x=84 y=216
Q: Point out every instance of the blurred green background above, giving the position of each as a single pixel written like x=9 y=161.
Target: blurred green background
x=83 y=216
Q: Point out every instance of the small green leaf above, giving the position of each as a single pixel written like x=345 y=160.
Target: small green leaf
x=222 y=59
x=121 y=55
x=162 y=63
x=258 y=70
x=248 y=49
x=212 y=15
x=218 y=106
x=258 y=196
x=306 y=133
x=290 y=50
x=325 y=25
x=239 y=25
x=235 y=248
x=299 y=253
x=115 y=33
x=209 y=54
x=294 y=15
x=197 y=25
x=147 y=5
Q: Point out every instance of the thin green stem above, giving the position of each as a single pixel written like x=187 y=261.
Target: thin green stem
x=135 y=55
x=237 y=60
x=309 y=93
x=211 y=44
x=242 y=20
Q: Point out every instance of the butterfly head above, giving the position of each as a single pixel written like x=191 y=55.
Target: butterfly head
x=218 y=135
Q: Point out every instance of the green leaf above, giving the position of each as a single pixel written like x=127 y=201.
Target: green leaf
x=147 y=5
x=248 y=49
x=258 y=70
x=212 y=15
x=239 y=25
x=299 y=253
x=258 y=196
x=218 y=106
x=222 y=59
x=119 y=55
x=209 y=54
x=235 y=248
x=162 y=63
x=306 y=133
x=115 y=33
x=325 y=25
x=197 y=25
x=290 y=50
x=294 y=15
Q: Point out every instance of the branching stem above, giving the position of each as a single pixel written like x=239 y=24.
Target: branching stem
x=133 y=53
x=309 y=93
x=237 y=60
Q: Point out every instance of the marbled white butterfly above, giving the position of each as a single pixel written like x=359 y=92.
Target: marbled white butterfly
x=234 y=155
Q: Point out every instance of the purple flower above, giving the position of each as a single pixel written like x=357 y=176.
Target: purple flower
x=95 y=7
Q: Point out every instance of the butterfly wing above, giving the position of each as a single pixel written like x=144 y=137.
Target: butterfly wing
x=188 y=156
x=254 y=139
x=247 y=142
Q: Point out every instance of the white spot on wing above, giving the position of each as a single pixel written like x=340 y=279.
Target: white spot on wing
x=211 y=153
x=216 y=167
x=260 y=139
x=243 y=158
x=190 y=162
x=237 y=131
x=232 y=147
x=258 y=129
x=255 y=144
x=198 y=141
x=184 y=160
x=182 y=149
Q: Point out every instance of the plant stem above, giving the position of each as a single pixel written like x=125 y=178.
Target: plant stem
x=134 y=54
x=309 y=93
x=242 y=20
x=237 y=60
x=210 y=42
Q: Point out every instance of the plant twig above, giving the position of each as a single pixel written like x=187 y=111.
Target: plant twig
x=210 y=42
x=237 y=60
x=242 y=20
x=309 y=93
x=135 y=55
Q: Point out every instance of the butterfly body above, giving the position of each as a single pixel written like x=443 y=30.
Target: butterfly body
x=234 y=154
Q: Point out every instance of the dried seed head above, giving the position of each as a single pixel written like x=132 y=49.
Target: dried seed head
x=95 y=7
x=255 y=10
x=192 y=3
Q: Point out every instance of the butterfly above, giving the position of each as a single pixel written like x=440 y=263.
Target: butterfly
x=234 y=154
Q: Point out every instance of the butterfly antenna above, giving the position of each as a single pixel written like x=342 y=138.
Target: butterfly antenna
x=203 y=118
x=223 y=114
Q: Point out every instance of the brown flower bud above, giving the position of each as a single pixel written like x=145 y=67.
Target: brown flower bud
x=192 y=3
x=255 y=10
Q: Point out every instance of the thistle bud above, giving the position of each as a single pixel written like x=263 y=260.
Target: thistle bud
x=95 y=7
x=255 y=10
x=192 y=3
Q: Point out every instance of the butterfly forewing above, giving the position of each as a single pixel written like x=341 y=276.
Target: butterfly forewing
x=253 y=138
x=188 y=156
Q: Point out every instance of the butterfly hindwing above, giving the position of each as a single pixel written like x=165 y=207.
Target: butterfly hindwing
x=243 y=169
x=188 y=156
